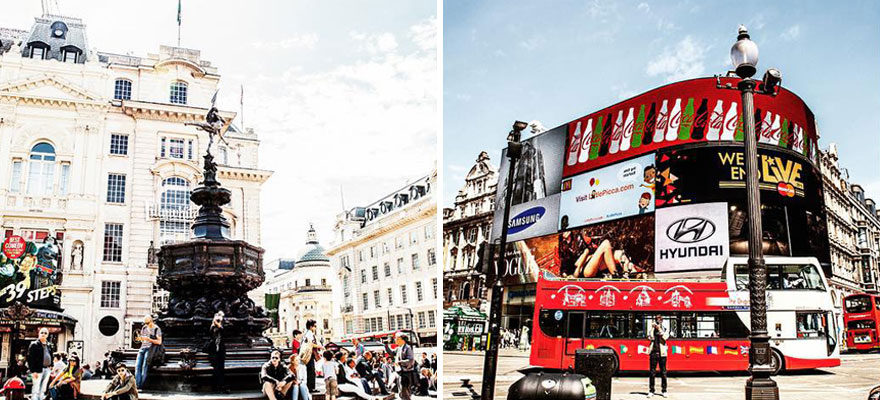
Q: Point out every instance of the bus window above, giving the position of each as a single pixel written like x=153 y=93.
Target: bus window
x=862 y=324
x=732 y=326
x=644 y=322
x=810 y=324
x=552 y=322
x=858 y=304
x=608 y=325
x=787 y=277
x=702 y=325
x=575 y=324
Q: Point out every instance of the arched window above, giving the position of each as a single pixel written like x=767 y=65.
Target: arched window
x=178 y=92
x=41 y=169
x=175 y=193
x=122 y=90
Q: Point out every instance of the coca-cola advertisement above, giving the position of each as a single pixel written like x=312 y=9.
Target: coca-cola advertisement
x=534 y=207
x=692 y=111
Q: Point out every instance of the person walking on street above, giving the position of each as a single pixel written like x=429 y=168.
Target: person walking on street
x=39 y=362
x=217 y=353
x=313 y=347
x=406 y=362
x=658 y=335
x=149 y=336
x=122 y=387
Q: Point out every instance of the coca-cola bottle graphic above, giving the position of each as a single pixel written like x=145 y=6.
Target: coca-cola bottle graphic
x=597 y=138
x=616 y=134
x=764 y=134
x=729 y=122
x=775 y=132
x=587 y=142
x=797 y=143
x=662 y=122
x=701 y=120
x=674 y=121
x=639 y=128
x=606 y=135
x=716 y=121
x=784 y=139
x=575 y=145
x=738 y=136
x=626 y=140
x=687 y=121
x=758 y=124
x=650 y=123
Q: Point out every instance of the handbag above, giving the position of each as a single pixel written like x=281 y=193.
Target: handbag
x=156 y=355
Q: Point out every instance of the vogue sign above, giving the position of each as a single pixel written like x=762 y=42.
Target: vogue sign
x=694 y=237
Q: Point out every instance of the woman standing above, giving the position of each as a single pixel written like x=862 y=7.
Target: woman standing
x=217 y=352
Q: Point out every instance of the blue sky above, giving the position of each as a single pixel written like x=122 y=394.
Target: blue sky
x=556 y=61
x=342 y=94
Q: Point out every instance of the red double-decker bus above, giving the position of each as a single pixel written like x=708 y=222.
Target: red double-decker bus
x=860 y=315
x=708 y=321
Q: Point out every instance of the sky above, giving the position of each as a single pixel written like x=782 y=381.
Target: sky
x=343 y=95
x=525 y=60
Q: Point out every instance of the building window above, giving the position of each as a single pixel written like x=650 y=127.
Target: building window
x=178 y=92
x=387 y=270
x=390 y=297
x=346 y=263
x=375 y=273
x=398 y=242
x=403 y=297
x=413 y=238
x=434 y=284
x=415 y=261
x=372 y=251
x=323 y=282
x=172 y=147
x=119 y=144
x=363 y=276
x=366 y=301
x=419 y=294
x=122 y=89
x=113 y=242
x=41 y=169
x=15 y=183
x=175 y=194
x=69 y=56
x=422 y=321
x=384 y=248
x=400 y=323
x=116 y=188
x=429 y=231
x=376 y=299
x=400 y=265
x=160 y=299
x=360 y=255
x=110 y=291
x=38 y=52
x=431 y=322
x=432 y=258
x=189 y=149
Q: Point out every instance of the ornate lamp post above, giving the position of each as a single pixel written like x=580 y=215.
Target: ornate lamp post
x=490 y=363
x=744 y=56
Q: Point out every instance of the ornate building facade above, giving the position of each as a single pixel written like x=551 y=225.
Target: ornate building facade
x=306 y=284
x=466 y=232
x=385 y=257
x=94 y=151
x=853 y=233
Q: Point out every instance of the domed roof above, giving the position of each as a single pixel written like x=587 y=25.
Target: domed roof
x=313 y=251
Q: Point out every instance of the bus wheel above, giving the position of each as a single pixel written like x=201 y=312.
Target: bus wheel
x=615 y=365
x=776 y=362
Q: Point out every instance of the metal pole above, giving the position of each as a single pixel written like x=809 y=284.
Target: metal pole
x=759 y=386
x=490 y=362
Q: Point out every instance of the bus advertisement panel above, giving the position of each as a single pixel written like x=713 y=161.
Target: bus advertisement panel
x=534 y=209
x=692 y=111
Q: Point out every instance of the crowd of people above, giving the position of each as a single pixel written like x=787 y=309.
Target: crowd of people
x=515 y=339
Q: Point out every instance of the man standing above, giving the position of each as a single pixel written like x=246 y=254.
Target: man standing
x=39 y=362
x=406 y=362
x=658 y=335
x=310 y=341
x=149 y=336
x=358 y=348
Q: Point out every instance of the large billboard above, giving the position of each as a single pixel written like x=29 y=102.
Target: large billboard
x=30 y=273
x=534 y=207
x=693 y=111
x=605 y=194
x=691 y=237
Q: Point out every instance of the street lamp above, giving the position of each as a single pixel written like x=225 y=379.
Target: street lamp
x=744 y=56
x=490 y=363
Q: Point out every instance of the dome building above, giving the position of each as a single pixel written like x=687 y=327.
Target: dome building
x=304 y=285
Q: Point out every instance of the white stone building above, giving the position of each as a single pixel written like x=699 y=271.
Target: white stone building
x=853 y=233
x=94 y=150
x=385 y=255
x=308 y=286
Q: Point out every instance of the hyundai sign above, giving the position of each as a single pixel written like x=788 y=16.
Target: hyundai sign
x=691 y=237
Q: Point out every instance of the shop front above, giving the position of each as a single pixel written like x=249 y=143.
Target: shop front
x=464 y=328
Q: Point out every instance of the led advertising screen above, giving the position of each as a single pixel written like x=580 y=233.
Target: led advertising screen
x=691 y=237
x=616 y=191
x=693 y=111
x=534 y=207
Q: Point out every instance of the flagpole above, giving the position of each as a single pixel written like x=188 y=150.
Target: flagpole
x=178 y=22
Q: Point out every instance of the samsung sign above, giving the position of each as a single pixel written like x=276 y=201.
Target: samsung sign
x=525 y=219
x=696 y=237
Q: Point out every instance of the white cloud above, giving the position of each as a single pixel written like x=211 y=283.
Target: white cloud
x=682 y=61
x=305 y=41
x=791 y=33
x=644 y=7
x=425 y=34
x=365 y=126
x=532 y=43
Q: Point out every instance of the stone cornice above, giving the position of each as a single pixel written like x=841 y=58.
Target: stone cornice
x=426 y=210
x=169 y=112
x=244 y=174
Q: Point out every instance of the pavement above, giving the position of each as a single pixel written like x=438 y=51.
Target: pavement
x=852 y=380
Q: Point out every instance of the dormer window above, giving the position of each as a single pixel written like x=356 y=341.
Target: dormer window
x=69 y=56
x=178 y=92
x=38 y=52
x=58 y=29
x=122 y=89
